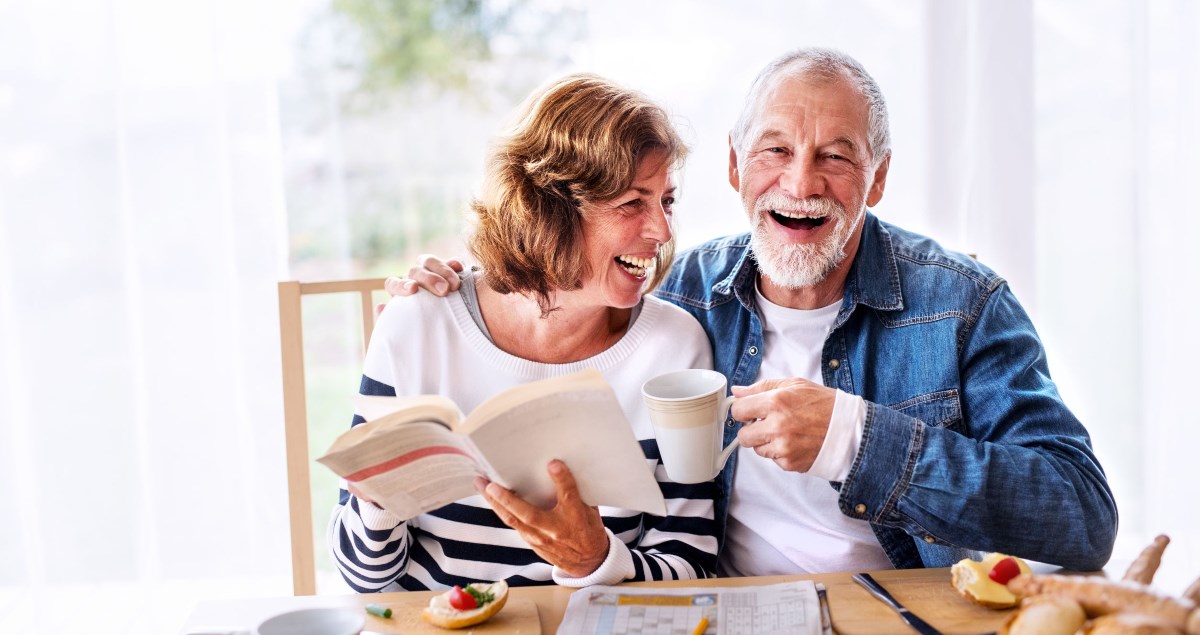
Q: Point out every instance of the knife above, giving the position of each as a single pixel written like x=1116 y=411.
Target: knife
x=876 y=589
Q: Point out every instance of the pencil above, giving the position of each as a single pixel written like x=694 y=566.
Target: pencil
x=701 y=627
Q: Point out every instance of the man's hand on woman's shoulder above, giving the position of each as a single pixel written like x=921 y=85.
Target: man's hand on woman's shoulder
x=431 y=273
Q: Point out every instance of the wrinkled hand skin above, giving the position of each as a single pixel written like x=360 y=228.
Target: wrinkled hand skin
x=790 y=419
x=431 y=274
x=569 y=536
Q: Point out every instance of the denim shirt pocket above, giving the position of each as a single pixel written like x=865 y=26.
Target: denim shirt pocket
x=939 y=409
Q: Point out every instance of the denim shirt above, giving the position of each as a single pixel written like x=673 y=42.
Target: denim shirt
x=966 y=445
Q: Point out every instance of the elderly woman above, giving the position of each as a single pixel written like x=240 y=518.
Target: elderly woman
x=573 y=231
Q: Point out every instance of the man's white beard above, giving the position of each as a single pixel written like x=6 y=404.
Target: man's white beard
x=791 y=265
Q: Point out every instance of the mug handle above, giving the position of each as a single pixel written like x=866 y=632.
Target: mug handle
x=723 y=457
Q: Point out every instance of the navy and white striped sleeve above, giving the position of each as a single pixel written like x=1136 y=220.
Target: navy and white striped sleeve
x=369 y=544
x=682 y=544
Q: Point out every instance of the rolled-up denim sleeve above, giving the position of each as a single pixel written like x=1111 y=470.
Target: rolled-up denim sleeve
x=1017 y=476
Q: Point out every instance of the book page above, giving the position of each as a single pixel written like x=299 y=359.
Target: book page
x=791 y=608
x=406 y=467
x=411 y=408
x=584 y=427
x=586 y=380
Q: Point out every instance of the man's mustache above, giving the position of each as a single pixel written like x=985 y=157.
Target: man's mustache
x=814 y=205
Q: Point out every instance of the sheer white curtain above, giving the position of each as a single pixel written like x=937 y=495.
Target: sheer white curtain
x=1063 y=156
x=141 y=229
x=1063 y=135
x=1118 y=284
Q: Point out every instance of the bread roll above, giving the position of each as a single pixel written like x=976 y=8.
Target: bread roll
x=440 y=613
x=1100 y=596
x=1046 y=615
x=1143 y=569
x=1130 y=624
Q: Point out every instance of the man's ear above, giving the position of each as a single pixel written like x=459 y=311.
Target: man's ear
x=734 y=179
x=876 y=192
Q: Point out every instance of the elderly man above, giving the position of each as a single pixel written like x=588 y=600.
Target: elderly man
x=918 y=419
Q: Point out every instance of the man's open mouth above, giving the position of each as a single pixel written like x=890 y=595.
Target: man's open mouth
x=798 y=220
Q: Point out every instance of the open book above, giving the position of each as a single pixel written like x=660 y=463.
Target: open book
x=415 y=454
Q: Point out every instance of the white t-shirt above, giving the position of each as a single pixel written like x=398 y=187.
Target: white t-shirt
x=789 y=522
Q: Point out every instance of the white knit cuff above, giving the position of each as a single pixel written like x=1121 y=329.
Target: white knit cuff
x=617 y=567
x=841 y=441
x=375 y=517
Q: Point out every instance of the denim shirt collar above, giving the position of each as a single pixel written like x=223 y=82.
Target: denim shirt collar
x=741 y=278
x=874 y=278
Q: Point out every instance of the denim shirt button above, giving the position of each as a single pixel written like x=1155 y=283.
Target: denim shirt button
x=833 y=363
x=729 y=422
x=929 y=539
x=860 y=508
x=753 y=350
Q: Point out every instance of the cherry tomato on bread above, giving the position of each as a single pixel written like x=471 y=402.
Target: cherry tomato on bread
x=462 y=600
x=1004 y=571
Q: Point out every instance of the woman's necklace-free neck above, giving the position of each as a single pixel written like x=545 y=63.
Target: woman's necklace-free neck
x=567 y=334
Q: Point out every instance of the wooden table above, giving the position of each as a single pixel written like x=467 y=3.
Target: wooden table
x=927 y=592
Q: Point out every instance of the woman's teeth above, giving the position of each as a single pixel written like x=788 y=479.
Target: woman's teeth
x=634 y=265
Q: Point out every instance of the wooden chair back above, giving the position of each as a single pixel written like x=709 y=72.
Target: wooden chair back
x=295 y=412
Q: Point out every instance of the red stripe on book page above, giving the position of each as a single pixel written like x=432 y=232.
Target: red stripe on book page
x=404 y=459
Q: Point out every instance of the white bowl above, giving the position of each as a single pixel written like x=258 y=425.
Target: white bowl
x=314 y=622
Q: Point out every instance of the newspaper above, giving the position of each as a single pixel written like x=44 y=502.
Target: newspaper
x=790 y=608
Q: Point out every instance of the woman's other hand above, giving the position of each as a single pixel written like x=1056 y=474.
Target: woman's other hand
x=569 y=536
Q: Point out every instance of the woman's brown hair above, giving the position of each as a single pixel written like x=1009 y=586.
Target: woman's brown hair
x=578 y=140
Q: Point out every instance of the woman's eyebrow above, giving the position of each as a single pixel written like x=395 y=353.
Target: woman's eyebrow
x=647 y=192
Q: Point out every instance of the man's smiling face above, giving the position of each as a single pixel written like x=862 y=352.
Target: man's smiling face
x=805 y=174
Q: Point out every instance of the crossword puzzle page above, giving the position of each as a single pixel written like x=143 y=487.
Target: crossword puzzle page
x=791 y=608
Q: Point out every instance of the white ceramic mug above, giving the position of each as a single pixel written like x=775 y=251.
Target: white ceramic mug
x=687 y=408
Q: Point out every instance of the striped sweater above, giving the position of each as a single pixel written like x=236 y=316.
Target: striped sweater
x=428 y=345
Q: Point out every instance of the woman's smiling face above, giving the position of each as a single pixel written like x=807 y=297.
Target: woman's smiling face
x=622 y=236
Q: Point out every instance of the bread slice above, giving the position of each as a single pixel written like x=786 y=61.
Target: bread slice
x=440 y=613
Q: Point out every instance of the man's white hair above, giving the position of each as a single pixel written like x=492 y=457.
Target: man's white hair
x=827 y=63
